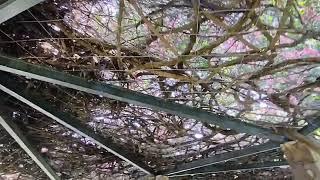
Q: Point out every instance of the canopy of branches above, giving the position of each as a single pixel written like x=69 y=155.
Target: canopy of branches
x=256 y=60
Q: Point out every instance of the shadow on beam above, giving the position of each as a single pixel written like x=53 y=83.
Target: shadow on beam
x=19 y=67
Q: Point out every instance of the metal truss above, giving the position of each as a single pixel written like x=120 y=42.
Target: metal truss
x=15 y=66
x=200 y=163
x=19 y=67
x=253 y=150
x=11 y=8
x=223 y=168
x=73 y=124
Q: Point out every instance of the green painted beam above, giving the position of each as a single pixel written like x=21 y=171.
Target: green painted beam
x=11 y=8
x=19 y=67
x=18 y=136
x=73 y=124
x=220 y=158
x=224 y=168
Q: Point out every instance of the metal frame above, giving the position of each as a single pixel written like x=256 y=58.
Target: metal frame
x=200 y=163
x=9 y=9
x=15 y=66
x=269 y=146
x=18 y=136
x=224 y=168
x=19 y=67
x=12 y=65
x=73 y=124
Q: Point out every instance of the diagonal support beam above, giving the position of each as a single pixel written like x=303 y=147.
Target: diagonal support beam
x=11 y=8
x=18 y=136
x=19 y=67
x=220 y=158
x=253 y=150
x=223 y=168
x=73 y=124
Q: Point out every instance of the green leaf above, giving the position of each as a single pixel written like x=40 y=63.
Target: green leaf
x=317 y=132
x=302 y=2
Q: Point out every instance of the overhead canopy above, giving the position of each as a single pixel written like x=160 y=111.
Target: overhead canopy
x=124 y=89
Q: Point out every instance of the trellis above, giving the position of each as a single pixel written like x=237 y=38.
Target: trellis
x=18 y=67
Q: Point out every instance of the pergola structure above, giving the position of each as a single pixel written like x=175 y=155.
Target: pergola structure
x=9 y=87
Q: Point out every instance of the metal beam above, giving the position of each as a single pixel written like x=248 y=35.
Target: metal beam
x=225 y=168
x=200 y=163
x=269 y=146
x=74 y=124
x=19 y=67
x=17 y=135
x=11 y=8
